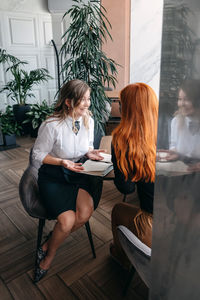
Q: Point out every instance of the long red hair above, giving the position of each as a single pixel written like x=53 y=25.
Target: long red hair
x=134 y=139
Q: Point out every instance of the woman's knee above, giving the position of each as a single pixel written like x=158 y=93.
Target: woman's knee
x=83 y=215
x=123 y=213
x=116 y=211
x=66 y=221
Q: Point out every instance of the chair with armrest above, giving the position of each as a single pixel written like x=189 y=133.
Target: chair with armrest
x=30 y=198
x=106 y=144
x=138 y=253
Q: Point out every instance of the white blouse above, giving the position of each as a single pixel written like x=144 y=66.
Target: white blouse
x=56 y=138
x=185 y=140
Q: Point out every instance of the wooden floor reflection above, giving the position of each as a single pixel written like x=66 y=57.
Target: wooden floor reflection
x=74 y=273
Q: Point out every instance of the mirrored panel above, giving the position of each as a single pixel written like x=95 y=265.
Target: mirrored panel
x=176 y=232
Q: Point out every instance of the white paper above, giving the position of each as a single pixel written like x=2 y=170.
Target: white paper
x=106 y=157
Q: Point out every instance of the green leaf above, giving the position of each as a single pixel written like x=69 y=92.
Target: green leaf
x=20 y=86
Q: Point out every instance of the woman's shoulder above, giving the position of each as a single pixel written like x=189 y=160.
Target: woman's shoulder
x=179 y=120
x=51 y=123
x=175 y=120
x=90 y=122
x=90 y=118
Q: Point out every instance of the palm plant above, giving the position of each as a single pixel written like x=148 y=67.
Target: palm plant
x=20 y=86
x=83 y=57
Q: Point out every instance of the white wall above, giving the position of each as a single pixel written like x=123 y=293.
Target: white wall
x=145 y=49
x=60 y=6
x=38 y=6
x=27 y=35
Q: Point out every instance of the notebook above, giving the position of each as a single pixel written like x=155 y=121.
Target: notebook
x=98 y=167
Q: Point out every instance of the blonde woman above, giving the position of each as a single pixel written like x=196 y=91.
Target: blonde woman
x=68 y=196
x=134 y=156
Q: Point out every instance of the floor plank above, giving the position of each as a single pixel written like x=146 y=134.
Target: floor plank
x=85 y=289
x=10 y=236
x=84 y=265
x=100 y=230
x=55 y=289
x=22 y=288
x=4 y=292
x=27 y=227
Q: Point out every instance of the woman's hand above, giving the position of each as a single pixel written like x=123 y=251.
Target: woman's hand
x=95 y=154
x=68 y=164
x=166 y=155
x=194 y=167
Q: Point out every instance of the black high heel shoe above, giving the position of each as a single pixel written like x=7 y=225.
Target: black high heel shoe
x=39 y=273
x=41 y=253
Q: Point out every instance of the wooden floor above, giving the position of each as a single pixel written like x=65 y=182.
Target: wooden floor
x=74 y=273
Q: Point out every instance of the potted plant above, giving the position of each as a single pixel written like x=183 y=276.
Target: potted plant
x=20 y=86
x=83 y=57
x=37 y=114
x=9 y=127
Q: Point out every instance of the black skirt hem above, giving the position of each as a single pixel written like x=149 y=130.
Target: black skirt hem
x=59 y=188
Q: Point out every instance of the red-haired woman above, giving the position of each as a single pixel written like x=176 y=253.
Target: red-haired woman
x=134 y=156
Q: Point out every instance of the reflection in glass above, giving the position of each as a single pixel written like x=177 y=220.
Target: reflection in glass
x=176 y=227
x=185 y=126
x=184 y=141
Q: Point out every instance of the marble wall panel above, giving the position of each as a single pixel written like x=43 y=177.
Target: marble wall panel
x=145 y=43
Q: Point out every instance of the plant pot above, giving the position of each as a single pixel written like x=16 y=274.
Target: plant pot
x=34 y=132
x=1 y=138
x=20 y=115
x=20 y=112
x=9 y=139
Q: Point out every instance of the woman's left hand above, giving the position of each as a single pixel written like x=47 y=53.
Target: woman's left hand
x=68 y=164
x=194 y=167
x=95 y=154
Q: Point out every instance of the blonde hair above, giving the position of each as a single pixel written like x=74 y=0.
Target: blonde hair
x=134 y=140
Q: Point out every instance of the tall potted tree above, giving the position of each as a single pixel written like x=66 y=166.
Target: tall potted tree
x=20 y=86
x=83 y=57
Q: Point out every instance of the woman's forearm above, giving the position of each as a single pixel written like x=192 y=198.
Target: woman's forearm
x=68 y=164
x=50 y=160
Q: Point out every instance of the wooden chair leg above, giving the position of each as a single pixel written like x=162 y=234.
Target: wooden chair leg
x=39 y=236
x=129 y=279
x=87 y=225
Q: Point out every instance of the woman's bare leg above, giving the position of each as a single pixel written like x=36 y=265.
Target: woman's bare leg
x=67 y=222
x=63 y=227
x=84 y=208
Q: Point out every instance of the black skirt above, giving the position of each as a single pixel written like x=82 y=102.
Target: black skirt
x=59 y=187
